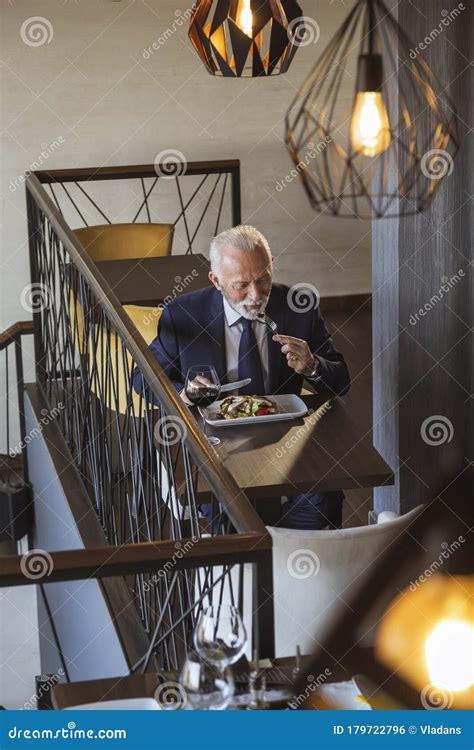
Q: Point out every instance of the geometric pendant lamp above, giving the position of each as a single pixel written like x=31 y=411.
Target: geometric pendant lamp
x=371 y=131
x=246 y=38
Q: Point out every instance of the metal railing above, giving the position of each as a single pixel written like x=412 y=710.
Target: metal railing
x=143 y=458
x=13 y=471
x=15 y=496
x=197 y=198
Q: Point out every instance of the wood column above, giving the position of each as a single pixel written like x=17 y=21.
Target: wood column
x=423 y=297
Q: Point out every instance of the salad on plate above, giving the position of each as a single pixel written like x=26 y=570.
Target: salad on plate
x=236 y=407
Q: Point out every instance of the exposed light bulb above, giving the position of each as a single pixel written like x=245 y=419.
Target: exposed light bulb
x=245 y=18
x=370 y=130
x=448 y=651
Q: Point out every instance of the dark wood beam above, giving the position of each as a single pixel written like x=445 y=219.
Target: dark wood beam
x=132 y=171
x=147 y=557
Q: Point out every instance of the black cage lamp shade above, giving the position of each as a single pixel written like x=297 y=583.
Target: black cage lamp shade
x=246 y=38
x=371 y=131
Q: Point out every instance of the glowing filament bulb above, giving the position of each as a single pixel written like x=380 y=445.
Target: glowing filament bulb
x=449 y=650
x=245 y=18
x=370 y=130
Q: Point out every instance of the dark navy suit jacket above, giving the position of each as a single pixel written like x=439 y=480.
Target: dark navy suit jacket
x=191 y=332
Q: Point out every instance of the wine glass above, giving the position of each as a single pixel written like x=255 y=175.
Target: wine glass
x=203 y=387
x=220 y=636
x=207 y=686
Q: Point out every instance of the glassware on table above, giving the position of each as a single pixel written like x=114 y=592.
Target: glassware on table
x=203 y=387
x=208 y=687
x=257 y=688
x=220 y=636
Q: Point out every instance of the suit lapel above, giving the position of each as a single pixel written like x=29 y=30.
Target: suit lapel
x=276 y=309
x=216 y=335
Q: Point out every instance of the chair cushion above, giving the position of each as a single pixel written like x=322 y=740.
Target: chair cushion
x=121 y=241
x=145 y=320
x=108 y=355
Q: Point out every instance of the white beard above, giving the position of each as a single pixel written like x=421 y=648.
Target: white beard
x=240 y=306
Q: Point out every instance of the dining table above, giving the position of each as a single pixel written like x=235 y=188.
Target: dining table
x=66 y=695
x=327 y=449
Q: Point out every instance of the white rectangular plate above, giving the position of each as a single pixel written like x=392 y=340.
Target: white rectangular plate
x=289 y=406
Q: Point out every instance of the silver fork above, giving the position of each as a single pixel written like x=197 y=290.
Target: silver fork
x=266 y=320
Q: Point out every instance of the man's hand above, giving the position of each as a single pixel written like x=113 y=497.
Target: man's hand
x=196 y=385
x=298 y=354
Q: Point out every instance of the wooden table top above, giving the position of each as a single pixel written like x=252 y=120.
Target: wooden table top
x=149 y=281
x=326 y=450
x=67 y=694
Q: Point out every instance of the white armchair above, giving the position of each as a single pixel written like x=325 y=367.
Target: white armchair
x=314 y=571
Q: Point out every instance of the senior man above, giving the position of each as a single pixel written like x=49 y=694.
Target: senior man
x=218 y=326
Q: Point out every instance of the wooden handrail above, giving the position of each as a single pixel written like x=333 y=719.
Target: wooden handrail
x=129 y=559
x=132 y=171
x=20 y=328
x=233 y=499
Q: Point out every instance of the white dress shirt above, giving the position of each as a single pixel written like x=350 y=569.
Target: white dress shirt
x=233 y=332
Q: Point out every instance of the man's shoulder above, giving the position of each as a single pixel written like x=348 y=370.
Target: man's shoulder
x=280 y=290
x=299 y=298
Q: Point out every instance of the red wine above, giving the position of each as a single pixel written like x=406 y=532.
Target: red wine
x=203 y=396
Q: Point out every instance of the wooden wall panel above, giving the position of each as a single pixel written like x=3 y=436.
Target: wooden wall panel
x=425 y=373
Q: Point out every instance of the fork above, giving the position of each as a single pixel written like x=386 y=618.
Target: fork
x=266 y=320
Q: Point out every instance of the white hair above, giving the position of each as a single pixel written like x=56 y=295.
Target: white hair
x=242 y=237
